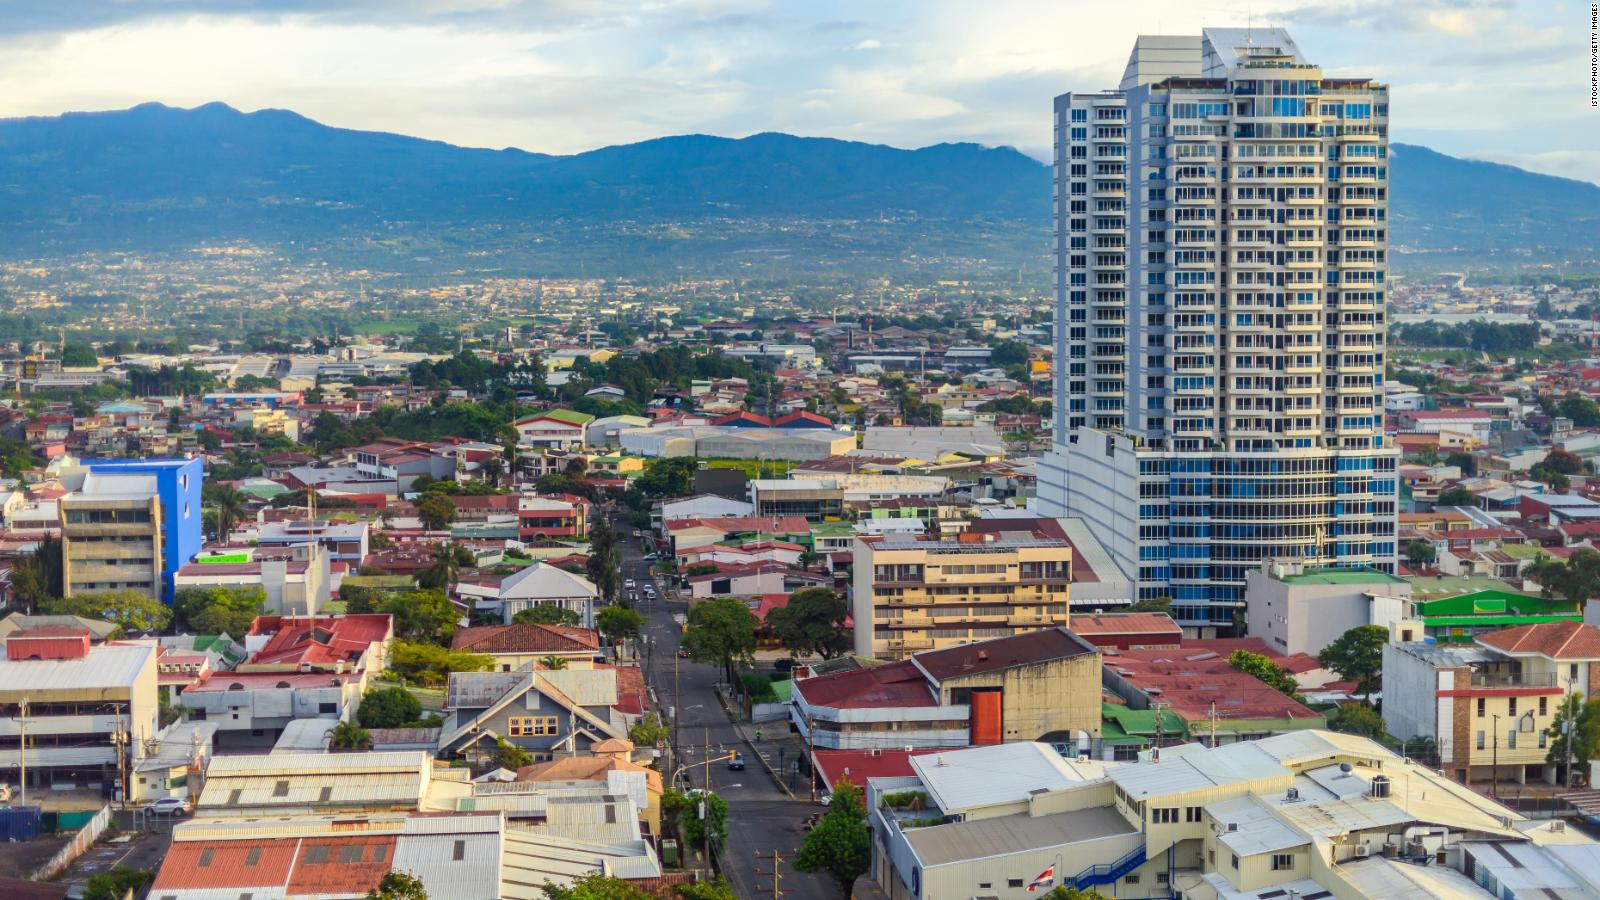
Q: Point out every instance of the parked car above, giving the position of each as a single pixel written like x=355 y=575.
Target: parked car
x=630 y=583
x=825 y=798
x=168 y=806
x=682 y=653
x=785 y=664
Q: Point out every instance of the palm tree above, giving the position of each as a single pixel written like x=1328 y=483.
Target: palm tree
x=349 y=736
x=553 y=662
x=447 y=562
x=229 y=502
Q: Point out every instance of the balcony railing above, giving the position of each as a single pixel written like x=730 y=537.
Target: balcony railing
x=1513 y=679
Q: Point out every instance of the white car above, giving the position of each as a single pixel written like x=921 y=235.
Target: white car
x=630 y=583
x=172 y=806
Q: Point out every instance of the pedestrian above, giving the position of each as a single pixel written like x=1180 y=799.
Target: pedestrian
x=758 y=735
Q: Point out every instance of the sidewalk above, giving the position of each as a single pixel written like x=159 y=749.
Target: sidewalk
x=778 y=751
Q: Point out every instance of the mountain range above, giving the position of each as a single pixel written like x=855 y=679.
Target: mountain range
x=154 y=178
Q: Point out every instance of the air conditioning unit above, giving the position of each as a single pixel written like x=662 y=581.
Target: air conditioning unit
x=1363 y=851
x=877 y=752
x=1232 y=826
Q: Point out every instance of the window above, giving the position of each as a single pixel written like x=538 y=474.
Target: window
x=1480 y=707
x=1512 y=706
x=205 y=857
x=460 y=851
x=317 y=855
x=350 y=853
x=281 y=789
x=379 y=852
x=253 y=857
x=1282 y=862
x=325 y=794
x=233 y=796
x=1236 y=860
x=533 y=726
x=1131 y=879
x=1192 y=814
x=1480 y=740
x=1013 y=882
x=1544 y=706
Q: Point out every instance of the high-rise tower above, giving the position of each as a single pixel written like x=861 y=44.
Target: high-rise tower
x=1221 y=236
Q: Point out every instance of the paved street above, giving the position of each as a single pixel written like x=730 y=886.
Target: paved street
x=761 y=818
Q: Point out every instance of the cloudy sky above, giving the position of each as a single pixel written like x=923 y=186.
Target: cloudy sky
x=1493 y=79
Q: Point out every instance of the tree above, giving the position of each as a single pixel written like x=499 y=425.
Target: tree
x=1357 y=655
x=509 y=756
x=811 y=622
x=1576 y=580
x=716 y=889
x=1457 y=496
x=721 y=631
x=1263 y=669
x=1357 y=718
x=547 y=614
x=596 y=886
x=691 y=809
x=349 y=736
x=840 y=844
x=1420 y=553
x=390 y=707
x=1063 y=892
x=668 y=477
x=79 y=356
x=398 y=885
x=618 y=623
x=605 y=561
x=436 y=511
x=218 y=610
x=37 y=578
x=116 y=884
x=1008 y=353
x=422 y=615
x=1466 y=462
x=430 y=665
x=128 y=609
x=1584 y=738
x=1161 y=605
x=229 y=503
x=448 y=561
x=649 y=731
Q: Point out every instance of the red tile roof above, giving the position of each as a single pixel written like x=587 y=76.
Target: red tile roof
x=896 y=684
x=1003 y=653
x=1124 y=623
x=320 y=640
x=1557 y=640
x=522 y=637
x=859 y=765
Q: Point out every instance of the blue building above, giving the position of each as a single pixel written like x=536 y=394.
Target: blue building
x=131 y=524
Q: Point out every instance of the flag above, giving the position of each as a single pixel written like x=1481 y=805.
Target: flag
x=1045 y=879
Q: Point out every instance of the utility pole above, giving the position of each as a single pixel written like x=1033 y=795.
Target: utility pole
x=1213 y=724
x=22 y=748
x=677 y=710
x=1155 y=753
x=777 y=861
x=1494 y=764
x=705 y=818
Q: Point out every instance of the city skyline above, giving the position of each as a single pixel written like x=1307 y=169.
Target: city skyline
x=561 y=77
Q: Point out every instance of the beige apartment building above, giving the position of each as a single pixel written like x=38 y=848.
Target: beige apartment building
x=111 y=536
x=911 y=594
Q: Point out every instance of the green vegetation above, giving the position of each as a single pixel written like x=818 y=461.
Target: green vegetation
x=129 y=610
x=1581 y=740
x=1357 y=655
x=840 y=845
x=649 y=731
x=1577 y=579
x=398 y=885
x=1264 y=670
x=350 y=737
x=116 y=884
x=812 y=622
x=547 y=614
x=217 y=610
x=721 y=631
x=618 y=623
x=1357 y=718
x=430 y=665
x=390 y=707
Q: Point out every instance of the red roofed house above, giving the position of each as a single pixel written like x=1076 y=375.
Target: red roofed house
x=519 y=644
x=319 y=643
x=1128 y=631
x=1492 y=702
x=1037 y=686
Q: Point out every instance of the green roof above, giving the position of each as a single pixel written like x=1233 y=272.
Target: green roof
x=1342 y=575
x=1432 y=587
x=569 y=416
x=1493 y=602
x=380 y=582
x=784 y=690
x=1139 y=722
x=833 y=528
x=243 y=556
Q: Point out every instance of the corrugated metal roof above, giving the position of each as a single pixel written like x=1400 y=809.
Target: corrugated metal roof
x=117 y=666
x=586 y=687
x=983 y=776
x=956 y=841
x=454 y=864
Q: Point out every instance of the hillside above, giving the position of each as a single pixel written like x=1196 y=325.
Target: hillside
x=157 y=178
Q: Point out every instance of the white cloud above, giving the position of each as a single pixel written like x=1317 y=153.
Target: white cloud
x=1474 y=76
